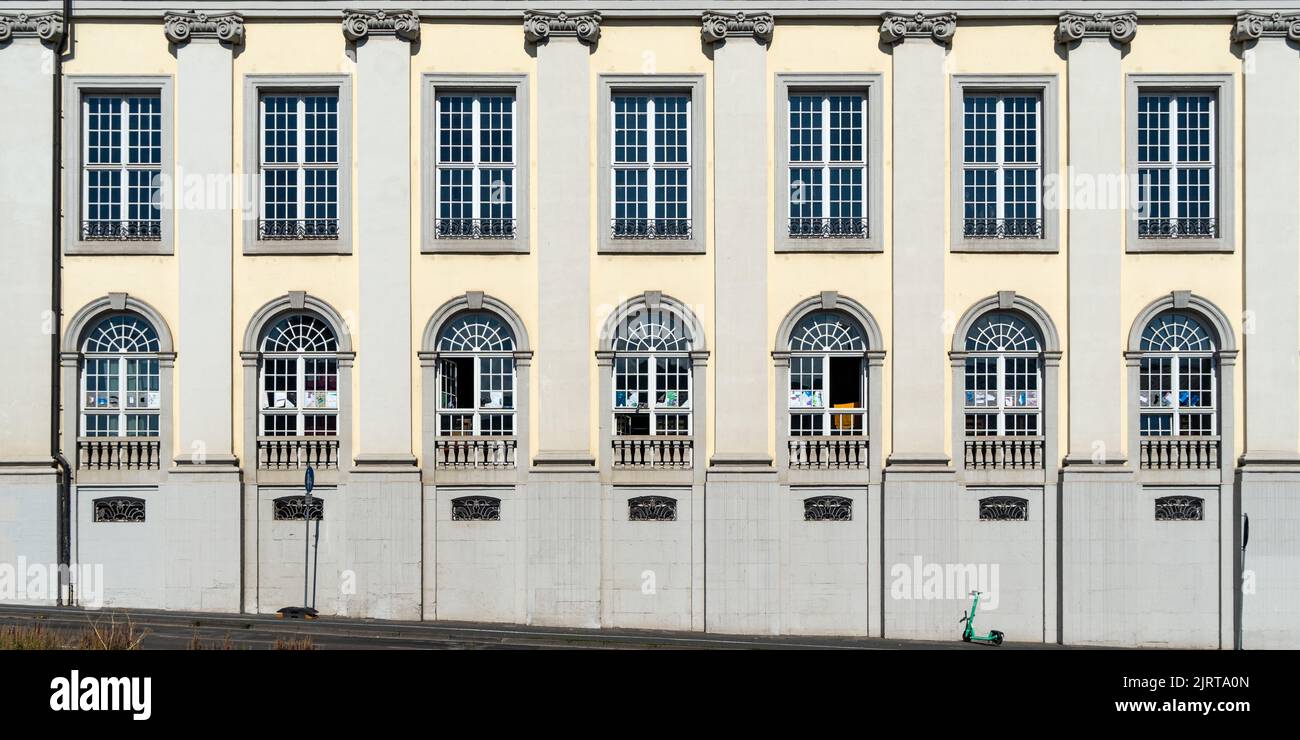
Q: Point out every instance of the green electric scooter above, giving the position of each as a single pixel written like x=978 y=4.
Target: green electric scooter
x=968 y=634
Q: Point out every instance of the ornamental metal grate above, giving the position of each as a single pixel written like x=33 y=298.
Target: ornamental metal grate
x=119 y=509
x=651 y=228
x=651 y=509
x=1180 y=509
x=143 y=231
x=827 y=509
x=1004 y=509
x=296 y=508
x=298 y=229
x=1178 y=228
x=829 y=228
x=1002 y=228
x=476 y=509
x=475 y=228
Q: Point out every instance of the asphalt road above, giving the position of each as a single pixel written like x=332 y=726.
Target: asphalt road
x=178 y=630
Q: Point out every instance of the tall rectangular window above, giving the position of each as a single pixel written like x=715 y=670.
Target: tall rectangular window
x=121 y=167
x=300 y=166
x=1001 y=166
x=651 y=166
x=1176 y=165
x=827 y=165
x=475 y=168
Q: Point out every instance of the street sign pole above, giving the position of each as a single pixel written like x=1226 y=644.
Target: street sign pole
x=309 y=482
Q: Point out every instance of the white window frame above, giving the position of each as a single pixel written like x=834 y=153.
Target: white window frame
x=123 y=165
x=652 y=408
x=475 y=165
x=651 y=165
x=300 y=392
x=870 y=87
x=1000 y=166
x=692 y=88
x=75 y=121
x=255 y=87
x=1177 y=411
x=1002 y=409
x=436 y=85
x=1174 y=165
x=1224 y=143
x=477 y=410
x=826 y=410
x=1049 y=208
x=121 y=411
x=300 y=165
x=825 y=164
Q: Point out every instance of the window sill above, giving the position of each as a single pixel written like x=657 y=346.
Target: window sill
x=651 y=246
x=475 y=246
x=1181 y=246
x=117 y=247
x=1005 y=246
x=813 y=246
x=259 y=247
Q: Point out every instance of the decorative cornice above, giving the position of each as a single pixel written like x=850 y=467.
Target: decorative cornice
x=941 y=27
x=180 y=27
x=540 y=25
x=358 y=24
x=718 y=26
x=1251 y=26
x=1121 y=27
x=47 y=27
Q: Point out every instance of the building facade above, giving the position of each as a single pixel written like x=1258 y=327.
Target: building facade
x=805 y=318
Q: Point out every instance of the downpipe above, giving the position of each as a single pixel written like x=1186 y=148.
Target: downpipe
x=66 y=595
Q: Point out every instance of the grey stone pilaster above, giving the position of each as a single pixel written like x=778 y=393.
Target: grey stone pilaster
x=204 y=143
x=919 y=240
x=740 y=146
x=383 y=53
x=1096 y=123
x=562 y=43
x=1272 y=236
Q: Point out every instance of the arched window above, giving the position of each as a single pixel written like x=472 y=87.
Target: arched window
x=652 y=374
x=1004 y=377
x=299 y=378
x=476 y=377
x=828 y=381
x=119 y=379
x=1176 y=378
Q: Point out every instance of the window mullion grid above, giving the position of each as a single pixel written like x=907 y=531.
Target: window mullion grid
x=999 y=181
x=476 y=420
x=1175 y=200
x=652 y=177
x=826 y=384
x=1175 y=386
x=999 y=381
x=300 y=190
x=652 y=378
x=475 y=179
x=123 y=154
x=300 y=399
x=826 y=171
x=121 y=396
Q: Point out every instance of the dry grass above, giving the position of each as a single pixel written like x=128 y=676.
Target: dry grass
x=198 y=644
x=293 y=643
x=37 y=637
x=112 y=635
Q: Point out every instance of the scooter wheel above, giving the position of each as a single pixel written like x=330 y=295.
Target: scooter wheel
x=997 y=638
x=965 y=638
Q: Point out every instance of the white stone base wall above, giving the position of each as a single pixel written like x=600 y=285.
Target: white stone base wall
x=29 y=522
x=474 y=569
x=825 y=566
x=648 y=580
x=1272 y=564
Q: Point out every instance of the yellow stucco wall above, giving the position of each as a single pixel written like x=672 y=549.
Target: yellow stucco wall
x=455 y=46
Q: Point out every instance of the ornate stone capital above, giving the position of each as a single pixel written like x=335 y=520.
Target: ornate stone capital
x=540 y=25
x=1251 y=26
x=1121 y=27
x=358 y=24
x=47 y=27
x=894 y=27
x=718 y=26
x=181 y=27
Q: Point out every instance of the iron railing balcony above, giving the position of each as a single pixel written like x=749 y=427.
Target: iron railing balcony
x=1002 y=228
x=829 y=228
x=101 y=230
x=298 y=228
x=475 y=228
x=1178 y=228
x=651 y=228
